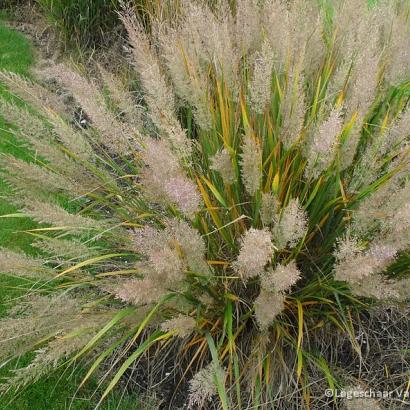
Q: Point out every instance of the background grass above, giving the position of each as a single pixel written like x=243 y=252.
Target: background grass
x=57 y=391
x=80 y=23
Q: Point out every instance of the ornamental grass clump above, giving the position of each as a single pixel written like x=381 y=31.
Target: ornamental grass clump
x=255 y=191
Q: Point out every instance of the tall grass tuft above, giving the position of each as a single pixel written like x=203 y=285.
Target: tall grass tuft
x=254 y=195
x=82 y=24
x=94 y=24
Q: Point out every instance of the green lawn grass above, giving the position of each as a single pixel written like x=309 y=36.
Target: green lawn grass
x=15 y=55
x=57 y=391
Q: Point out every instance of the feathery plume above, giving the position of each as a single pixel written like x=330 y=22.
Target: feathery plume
x=274 y=13
x=396 y=230
x=71 y=329
x=381 y=255
x=171 y=252
x=303 y=19
x=42 y=140
x=164 y=180
x=123 y=99
x=187 y=69
x=28 y=176
x=397 y=134
x=401 y=288
x=222 y=163
x=47 y=359
x=183 y=192
x=202 y=386
x=386 y=211
x=256 y=251
x=251 y=164
x=247 y=26
x=182 y=325
x=261 y=83
x=48 y=213
x=216 y=45
x=159 y=158
x=351 y=21
x=65 y=248
x=148 y=238
x=293 y=108
x=20 y=264
x=75 y=141
x=177 y=235
x=158 y=94
x=190 y=243
x=33 y=93
x=360 y=95
x=375 y=287
x=398 y=53
x=372 y=160
x=139 y=291
x=292 y=224
x=166 y=265
x=21 y=174
x=366 y=218
x=36 y=132
x=324 y=142
x=269 y=206
x=348 y=247
x=353 y=264
x=35 y=318
x=267 y=306
x=294 y=30
x=338 y=80
x=203 y=41
x=280 y=279
x=21 y=118
x=115 y=135
x=311 y=23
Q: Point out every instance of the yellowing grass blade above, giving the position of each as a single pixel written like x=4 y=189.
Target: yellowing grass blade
x=212 y=262
x=212 y=211
x=244 y=113
x=216 y=193
x=116 y=273
x=89 y=262
x=224 y=111
x=18 y=215
x=50 y=229
x=275 y=183
x=300 y=364
x=300 y=338
x=300 y=323
x=209 y=204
